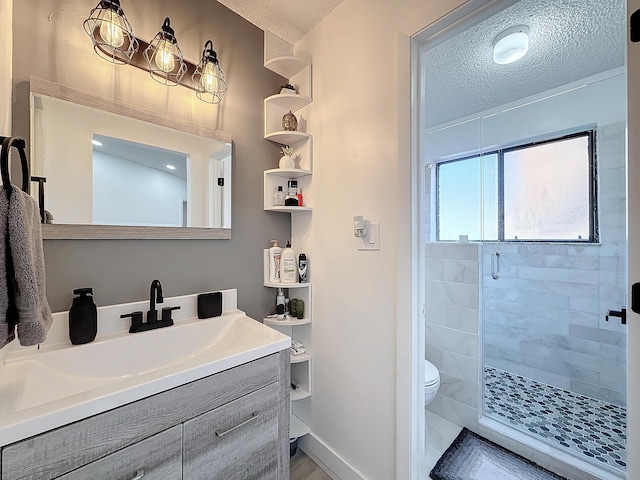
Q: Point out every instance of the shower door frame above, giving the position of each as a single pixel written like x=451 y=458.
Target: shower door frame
x=633 y=245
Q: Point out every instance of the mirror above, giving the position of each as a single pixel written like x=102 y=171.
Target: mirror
x=108 y=169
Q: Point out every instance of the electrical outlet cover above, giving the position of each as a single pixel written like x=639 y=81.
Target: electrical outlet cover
x=372 y=240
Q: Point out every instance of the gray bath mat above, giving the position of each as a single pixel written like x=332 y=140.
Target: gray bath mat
x=472 y=457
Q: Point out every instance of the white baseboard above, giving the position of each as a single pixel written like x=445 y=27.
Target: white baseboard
x=326 y=458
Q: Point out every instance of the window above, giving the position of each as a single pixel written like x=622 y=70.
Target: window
x=542 y=191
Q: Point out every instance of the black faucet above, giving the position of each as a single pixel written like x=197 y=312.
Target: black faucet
x=152 y=314
x=137 y=325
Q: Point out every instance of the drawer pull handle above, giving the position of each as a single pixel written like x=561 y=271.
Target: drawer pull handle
x=219 y=433
x=139 y=474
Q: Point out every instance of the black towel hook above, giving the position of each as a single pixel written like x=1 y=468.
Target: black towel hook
x=20 y=145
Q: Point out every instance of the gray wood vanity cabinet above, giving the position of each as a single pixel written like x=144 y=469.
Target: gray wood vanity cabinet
x=231 y=425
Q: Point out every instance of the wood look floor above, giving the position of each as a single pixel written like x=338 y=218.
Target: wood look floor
x=303 y=468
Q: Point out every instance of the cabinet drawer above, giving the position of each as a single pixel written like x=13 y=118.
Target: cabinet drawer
x=156 y=458
x=238 y=441
x=60 y=451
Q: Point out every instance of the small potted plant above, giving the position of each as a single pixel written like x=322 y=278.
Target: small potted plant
x=286 y=161
x=287 y=89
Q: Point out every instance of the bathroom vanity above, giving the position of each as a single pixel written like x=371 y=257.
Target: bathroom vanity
x=219 y=409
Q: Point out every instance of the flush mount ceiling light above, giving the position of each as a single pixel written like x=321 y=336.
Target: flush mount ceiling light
x=164 y=57
x=208 y=78
x=113 y=40
x=111 y=32
x=511 y=45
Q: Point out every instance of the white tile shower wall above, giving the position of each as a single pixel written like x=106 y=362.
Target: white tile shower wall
x=452 y=306
x=545 y=317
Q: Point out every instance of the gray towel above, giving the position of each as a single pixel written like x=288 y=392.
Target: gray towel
x=33 y=316
x=6 y=326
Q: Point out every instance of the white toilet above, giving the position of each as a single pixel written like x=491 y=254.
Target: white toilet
x=431 y=385
x=431 y=381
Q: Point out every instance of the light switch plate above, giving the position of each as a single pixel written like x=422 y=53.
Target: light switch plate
x=372 y=241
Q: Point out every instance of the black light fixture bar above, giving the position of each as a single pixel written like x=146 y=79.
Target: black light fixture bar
x=114 y=41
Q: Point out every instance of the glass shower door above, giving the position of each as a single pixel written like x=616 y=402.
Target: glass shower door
x=554 y=349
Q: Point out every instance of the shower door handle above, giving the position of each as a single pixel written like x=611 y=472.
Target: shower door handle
x=495 y=265
x=621 y=314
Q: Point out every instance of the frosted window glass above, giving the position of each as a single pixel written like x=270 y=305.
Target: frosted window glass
x=546 y=191
x=468 y=198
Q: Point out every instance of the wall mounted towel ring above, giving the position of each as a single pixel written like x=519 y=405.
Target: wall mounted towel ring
x=19 y=144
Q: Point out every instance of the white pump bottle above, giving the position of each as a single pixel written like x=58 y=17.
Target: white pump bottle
x=288 y=267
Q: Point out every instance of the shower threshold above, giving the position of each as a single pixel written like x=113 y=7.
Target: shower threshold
x=588 y=428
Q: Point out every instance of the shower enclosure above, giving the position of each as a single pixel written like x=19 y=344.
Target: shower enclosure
x=553 y=333
x=539 y=185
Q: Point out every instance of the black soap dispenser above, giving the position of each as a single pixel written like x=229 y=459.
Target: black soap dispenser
x=83 y=317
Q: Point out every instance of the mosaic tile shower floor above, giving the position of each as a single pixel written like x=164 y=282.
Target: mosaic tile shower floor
x=582 y=425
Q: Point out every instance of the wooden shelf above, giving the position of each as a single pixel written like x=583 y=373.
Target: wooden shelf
x=297 y=428
x=286 y=66
x=276 y=177
x=287 y=285
x=288 y=209
x=291 y=322
x=298 y=394
x=278 y=57
x=287 y=101
x=288 y=172
x=303 y=357
x=287 y=138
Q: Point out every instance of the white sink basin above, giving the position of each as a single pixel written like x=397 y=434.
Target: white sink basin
x=138 y=353
x=50 y=387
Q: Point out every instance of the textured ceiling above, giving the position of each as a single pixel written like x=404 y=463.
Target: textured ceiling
x=289 y=20
x=568 y=41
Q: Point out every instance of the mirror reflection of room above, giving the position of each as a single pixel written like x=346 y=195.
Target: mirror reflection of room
x=137 y=184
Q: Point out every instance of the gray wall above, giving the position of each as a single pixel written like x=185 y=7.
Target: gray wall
x=49 y=42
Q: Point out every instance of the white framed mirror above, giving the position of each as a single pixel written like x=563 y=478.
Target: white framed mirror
x=114 y=171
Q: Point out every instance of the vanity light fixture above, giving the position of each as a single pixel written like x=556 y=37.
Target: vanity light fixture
x=164 y=57
x=111 y=33
x=113 y=40
x=208 y=79
x=511 y=45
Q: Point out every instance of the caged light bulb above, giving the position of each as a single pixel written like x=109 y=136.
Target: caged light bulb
x=164 y=57
x=111 y=31
x=209 y=78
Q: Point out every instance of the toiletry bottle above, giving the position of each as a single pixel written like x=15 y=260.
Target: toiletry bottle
x=274 y=262
x=291 y=200
x=299 y=195
x=83 y=317
x=280 y=304
x=302 y=268
x=288 y=270
x=278 y=197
